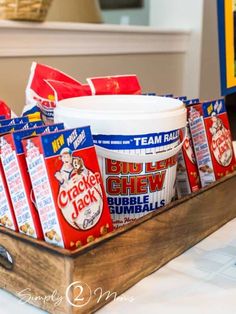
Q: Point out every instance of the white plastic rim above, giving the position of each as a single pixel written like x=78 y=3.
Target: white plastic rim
x=122 y=114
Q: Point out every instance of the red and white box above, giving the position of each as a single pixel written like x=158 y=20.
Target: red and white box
x=7 y=215
x=212 y=140
x=18 y=181
x=68 y=187
x=12 y=121
x=187 y=179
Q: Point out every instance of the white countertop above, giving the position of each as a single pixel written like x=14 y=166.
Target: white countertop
x=202 y=280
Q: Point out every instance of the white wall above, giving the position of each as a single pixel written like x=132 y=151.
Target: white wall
x=201 y=76
x=139 y=16
x=210 y=69
x=183 y=14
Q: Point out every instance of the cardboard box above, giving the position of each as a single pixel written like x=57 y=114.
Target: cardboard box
x=212 y=141
x=18 y=181
x=7 y=215
x=187 y=178
x=14 y=121
x=68 y=187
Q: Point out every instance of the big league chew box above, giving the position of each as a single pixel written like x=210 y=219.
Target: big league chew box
x=68 y=187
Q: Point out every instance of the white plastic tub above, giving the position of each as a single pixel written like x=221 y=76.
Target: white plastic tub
x=137 y=140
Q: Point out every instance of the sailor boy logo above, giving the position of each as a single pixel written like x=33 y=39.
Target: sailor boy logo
x=80 y=195
x=63 y=175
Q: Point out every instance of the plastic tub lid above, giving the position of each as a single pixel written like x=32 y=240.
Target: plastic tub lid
x=122 y=114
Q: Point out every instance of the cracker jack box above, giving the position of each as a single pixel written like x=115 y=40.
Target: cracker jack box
x=7 y=215
x=14 y=121
x=182 y=98
x=187 y=179
x=212 y=141
x=149 y=94
x=21 y=126
x=18 y=181
x=167 y=95
x=68 y=187
x=219 y=137
x=193 y=101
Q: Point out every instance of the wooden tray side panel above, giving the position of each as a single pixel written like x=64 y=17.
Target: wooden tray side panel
x=103 y=270
x=37 y=275
x=122 y=261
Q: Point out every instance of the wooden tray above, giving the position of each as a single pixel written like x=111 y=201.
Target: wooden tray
x=118 y=260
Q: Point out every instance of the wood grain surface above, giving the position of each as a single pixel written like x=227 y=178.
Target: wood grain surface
x=36 y=275
x=121 y=258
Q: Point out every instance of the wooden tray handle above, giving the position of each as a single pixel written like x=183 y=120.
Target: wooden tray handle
x=6 y=260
